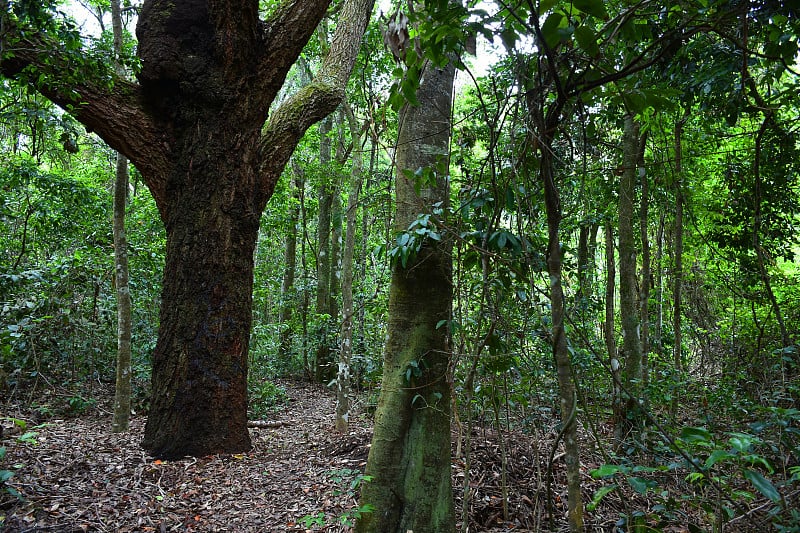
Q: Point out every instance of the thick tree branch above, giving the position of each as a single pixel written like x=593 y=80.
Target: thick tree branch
x=285 y=34
x=113 y=111
x=315 y=101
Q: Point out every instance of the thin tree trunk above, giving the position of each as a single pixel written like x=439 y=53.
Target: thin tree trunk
x=584 y=292
x=628 y=292
x=410 y=455
x=658 y=342
x=566 y=384
x=545 y=120
x=644 y=294
x=677 y=232
x=289 y=266
x=122 y=388
x=609 y=331
x=762 y=263
x=362 y=255
x=323 y=364
x=342 y=153
x=343 y=376
x=305 y=301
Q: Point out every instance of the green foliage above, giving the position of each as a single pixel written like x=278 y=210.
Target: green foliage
x=409 y=243
x=5 y=476
x=722 y=462
x=734 y=400
x=78 y=405
x=57 y=302
x=348 y=481
x=414 y=370
x=264 y=397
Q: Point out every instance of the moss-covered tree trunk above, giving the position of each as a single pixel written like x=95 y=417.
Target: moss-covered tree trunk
x=410 y=454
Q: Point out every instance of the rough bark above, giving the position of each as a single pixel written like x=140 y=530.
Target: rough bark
x=410 y=454
x=196 y=127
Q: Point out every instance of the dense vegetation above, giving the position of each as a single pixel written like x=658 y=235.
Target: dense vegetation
x=653 y=149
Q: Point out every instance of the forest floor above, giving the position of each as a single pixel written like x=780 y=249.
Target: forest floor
x=75 y=475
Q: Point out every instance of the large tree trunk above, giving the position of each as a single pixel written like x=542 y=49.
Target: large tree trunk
x=196 y=127
x=199 y=405
x=410 y=454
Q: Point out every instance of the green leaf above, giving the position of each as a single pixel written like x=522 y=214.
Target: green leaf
x=695 y=477
x=763 y=485
x=599 y=496
x=409 y=91
x=596 y=8
x=546 y=5
x=641 y=485
x=741 y=442
x=587 y=40
x=550 y=28
x=509 y=37
x=606 y=470
x=717 y=456
x=696 y=435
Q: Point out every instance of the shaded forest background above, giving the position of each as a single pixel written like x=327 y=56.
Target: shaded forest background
x=679 y=201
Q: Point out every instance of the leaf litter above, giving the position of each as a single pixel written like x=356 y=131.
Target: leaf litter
x=74 y=475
